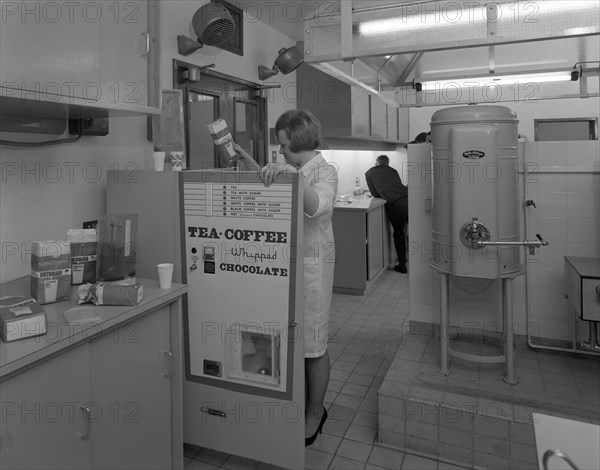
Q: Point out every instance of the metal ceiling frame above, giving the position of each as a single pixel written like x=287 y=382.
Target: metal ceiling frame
x=321 y=49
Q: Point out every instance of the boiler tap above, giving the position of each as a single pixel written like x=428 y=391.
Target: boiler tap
x=532 y=245
x=530 y=202
x=474 y=232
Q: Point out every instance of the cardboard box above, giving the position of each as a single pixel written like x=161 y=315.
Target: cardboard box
x=84 y=256
x=20 y=318
x=51 y=271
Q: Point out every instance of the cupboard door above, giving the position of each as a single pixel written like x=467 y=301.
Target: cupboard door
x=374 y=242
x=125 y=43
x=131 y=383
x=378 y=118
x=403 y=125
x=44 y=424
x=392 y=123
x=349 y=231
x=361 y=124
x=50 y=48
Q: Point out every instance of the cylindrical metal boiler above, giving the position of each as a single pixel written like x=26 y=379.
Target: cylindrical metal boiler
x=475 y=197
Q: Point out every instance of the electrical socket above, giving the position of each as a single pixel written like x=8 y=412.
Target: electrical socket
x=89 y=126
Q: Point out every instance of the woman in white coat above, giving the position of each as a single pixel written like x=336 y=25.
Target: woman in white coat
x=299 y=136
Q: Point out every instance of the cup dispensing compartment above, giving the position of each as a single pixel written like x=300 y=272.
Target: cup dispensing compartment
x=254 y=356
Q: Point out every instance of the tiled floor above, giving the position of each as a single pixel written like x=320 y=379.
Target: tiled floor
x=368 y=333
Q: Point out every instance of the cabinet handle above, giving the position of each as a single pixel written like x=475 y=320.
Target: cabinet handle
x=143 y=44
x=169 y=355
x=85 y=412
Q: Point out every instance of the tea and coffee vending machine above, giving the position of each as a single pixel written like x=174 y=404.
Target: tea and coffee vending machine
x=236 y=244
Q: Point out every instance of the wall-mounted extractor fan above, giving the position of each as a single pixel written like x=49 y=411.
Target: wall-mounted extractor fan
x=212 y=23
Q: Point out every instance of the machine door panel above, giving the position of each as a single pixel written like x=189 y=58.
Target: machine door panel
x=244 y=388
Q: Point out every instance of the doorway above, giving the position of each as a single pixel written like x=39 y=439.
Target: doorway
x=215 y=95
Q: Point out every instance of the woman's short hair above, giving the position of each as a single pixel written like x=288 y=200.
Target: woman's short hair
x=302 y=128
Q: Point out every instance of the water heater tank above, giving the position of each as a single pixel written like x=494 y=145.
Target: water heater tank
x=475 y=190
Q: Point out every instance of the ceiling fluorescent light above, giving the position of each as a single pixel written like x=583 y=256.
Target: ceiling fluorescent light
x=494 y=80
x=431 y=15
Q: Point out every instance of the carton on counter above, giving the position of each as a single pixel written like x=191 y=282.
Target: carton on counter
x=51 y=271
x=84 y=248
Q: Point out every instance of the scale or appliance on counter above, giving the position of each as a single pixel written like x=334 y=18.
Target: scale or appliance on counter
x=236 y=243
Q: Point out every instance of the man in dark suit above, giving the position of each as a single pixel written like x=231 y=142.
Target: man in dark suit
x=384 y=182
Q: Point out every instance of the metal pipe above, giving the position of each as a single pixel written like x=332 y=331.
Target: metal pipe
x=507 y=310
x=444 y=305
x=534 y=243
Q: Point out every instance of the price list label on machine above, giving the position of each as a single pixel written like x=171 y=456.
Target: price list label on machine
x=238 y=200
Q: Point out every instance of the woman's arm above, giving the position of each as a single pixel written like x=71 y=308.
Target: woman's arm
x=245 y=160
x=311 y=198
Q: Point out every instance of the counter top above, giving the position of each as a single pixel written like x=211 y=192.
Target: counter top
x=364 y=204
x=585 y=267
x=62 y=335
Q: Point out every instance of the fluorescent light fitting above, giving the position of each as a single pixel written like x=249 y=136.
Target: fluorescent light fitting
x=495 y=80
x=431 y=15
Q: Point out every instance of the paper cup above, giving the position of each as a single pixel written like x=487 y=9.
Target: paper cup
x=159 y=160
x=165 y=275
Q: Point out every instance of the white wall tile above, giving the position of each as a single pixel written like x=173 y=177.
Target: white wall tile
x=550 y=204
x=583 y=204
x=551 y=181
x=551 y=280
x=553 y=228
x=552 y=256
x=424 y=312
x=530 y=153
x=579 y=249
x=584 y=231
x=551 y=155
x=577 y=182
x=583 y=155
x=421 y=292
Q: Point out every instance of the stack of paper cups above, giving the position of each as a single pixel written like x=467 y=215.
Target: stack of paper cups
x=165 y=275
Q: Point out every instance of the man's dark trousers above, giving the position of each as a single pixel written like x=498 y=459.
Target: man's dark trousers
x=397 y=212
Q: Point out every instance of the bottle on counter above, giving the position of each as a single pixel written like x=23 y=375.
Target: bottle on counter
x=357 y=192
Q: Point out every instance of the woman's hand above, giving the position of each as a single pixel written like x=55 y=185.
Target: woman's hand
x=271 y=171
x=242 y=156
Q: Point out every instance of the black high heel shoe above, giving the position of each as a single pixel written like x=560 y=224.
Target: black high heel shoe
x=309 y=440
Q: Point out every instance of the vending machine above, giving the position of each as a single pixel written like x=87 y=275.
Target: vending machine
x=236 y=243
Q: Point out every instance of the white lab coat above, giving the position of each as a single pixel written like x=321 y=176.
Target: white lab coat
x=319 y=256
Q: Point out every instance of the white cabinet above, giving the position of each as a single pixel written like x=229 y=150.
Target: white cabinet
x=378 y=114
x=45 y=423
x=104 y=404
x=344 y=111
x=90 y=54
x=403 y=125
x=392 y=122
x=131 y=369
x=362 y=242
